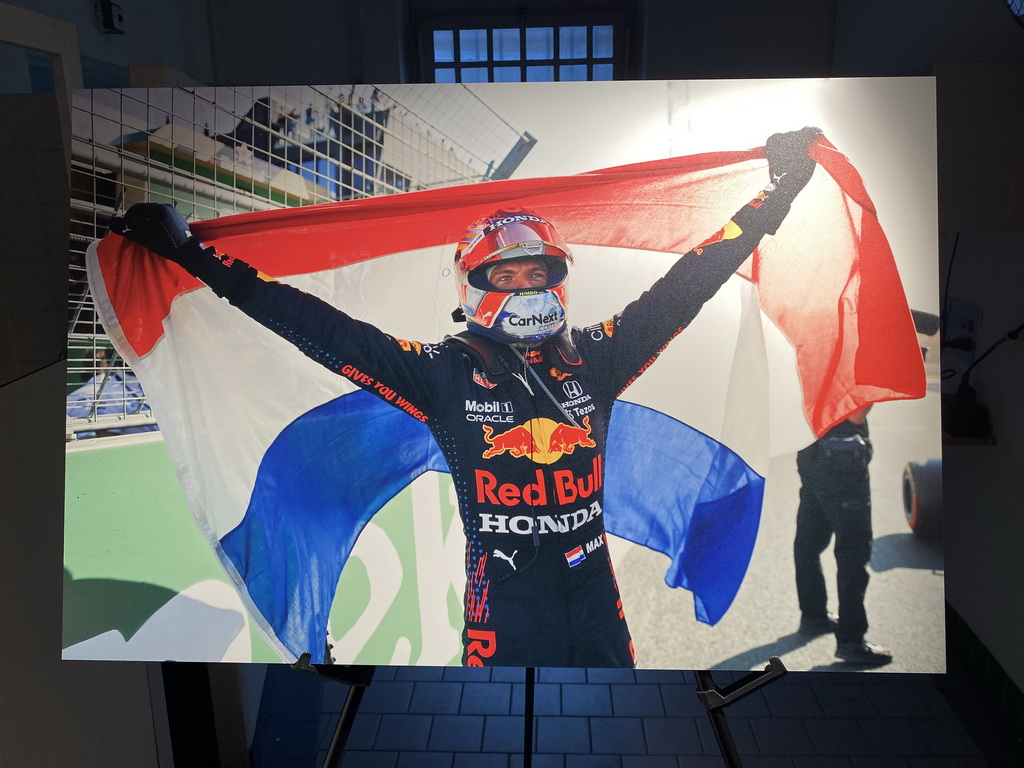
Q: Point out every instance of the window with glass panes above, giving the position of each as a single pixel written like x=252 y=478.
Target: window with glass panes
x=531 y=52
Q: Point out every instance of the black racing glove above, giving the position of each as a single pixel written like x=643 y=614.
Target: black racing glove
x=790 y=169
x=788 y=164
x=162 y=229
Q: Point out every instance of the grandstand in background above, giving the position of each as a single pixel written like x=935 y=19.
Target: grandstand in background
x=219 y=151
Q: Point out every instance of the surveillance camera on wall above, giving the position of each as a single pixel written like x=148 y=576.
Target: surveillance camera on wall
x=108 y=17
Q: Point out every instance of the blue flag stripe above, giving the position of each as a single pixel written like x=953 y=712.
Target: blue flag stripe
x=668 y=487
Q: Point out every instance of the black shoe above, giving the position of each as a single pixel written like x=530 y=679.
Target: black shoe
x=864 y=654
x=814 y=627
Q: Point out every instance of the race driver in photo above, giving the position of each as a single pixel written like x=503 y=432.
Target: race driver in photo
x=519 y=403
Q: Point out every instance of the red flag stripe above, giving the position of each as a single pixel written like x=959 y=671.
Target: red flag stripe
x=830 y=285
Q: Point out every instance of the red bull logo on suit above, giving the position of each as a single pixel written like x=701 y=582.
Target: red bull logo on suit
x=541 y=440
x=567 y=487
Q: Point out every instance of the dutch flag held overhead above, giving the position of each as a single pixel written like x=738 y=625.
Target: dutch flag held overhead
x=283 y=463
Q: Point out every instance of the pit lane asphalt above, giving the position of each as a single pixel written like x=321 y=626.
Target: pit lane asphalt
x=905 y=598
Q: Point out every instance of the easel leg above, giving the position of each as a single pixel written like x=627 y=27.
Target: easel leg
x=345 y=720
x=357 y=677
x=719 y=724
x=715 y=700
x=531 y=674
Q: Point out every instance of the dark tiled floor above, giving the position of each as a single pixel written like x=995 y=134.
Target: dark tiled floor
x=971 y=717
x=622 y=719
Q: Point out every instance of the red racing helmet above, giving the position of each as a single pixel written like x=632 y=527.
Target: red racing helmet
x=520 y=315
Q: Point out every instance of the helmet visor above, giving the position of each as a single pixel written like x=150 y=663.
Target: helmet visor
x=513 y=272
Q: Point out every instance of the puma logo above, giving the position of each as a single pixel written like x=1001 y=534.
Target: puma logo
x=509 y=558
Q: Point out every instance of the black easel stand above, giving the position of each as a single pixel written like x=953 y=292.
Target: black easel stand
x=531 y=674
x=715 y=700
x=357 y=677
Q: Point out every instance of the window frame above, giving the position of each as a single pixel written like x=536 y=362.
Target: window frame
x=621 y=16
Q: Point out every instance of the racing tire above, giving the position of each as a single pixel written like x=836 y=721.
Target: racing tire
x=922 y=497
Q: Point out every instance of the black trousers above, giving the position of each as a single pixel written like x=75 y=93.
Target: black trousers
x=835 y=500
x=546 y=613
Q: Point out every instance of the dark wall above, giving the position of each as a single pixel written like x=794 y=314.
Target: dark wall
x=743 y=39
x=51 y=712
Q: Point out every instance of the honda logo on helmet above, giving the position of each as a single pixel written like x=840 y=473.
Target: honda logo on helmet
x=497 y=223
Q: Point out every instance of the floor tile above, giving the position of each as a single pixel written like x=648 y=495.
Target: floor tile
x=480 y=760
x=592 y=699
x=358 y=759
x=547 y=699
x=672 y=736
x=661 y=676
x=739 y=729
x=617 y=736
x=844 y=700
x=539 y=761
x=563 y=735
x=487 y=698
x=950 y=762
x=562 y=675
x=837 y=737
x=593 y=761
x=752 y=705
x=467 y=674
x=782 y=736
x=435 y=698
x=682 y=701
x=637 y=700
x=425 y=760
x=609 y=675
x=456 y=733
x=653 y=761
x=893 y=736
x=898 y=700
x=791 y=701
x=419 y=673
x=510 y=674
x=945 y=736
x=364 y=731
x=504 y=733
x=387 y=696
x=403 y=733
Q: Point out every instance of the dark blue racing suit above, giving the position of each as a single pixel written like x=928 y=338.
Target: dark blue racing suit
x=523 y=432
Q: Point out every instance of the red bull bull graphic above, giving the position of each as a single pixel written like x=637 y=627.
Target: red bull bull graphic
x=541 y=440
x=566 y=437
x=518 y=441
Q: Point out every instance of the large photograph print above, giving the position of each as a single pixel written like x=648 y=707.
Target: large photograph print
x=567 y=375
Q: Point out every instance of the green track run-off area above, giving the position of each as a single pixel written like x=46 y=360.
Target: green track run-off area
x=130 y=545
